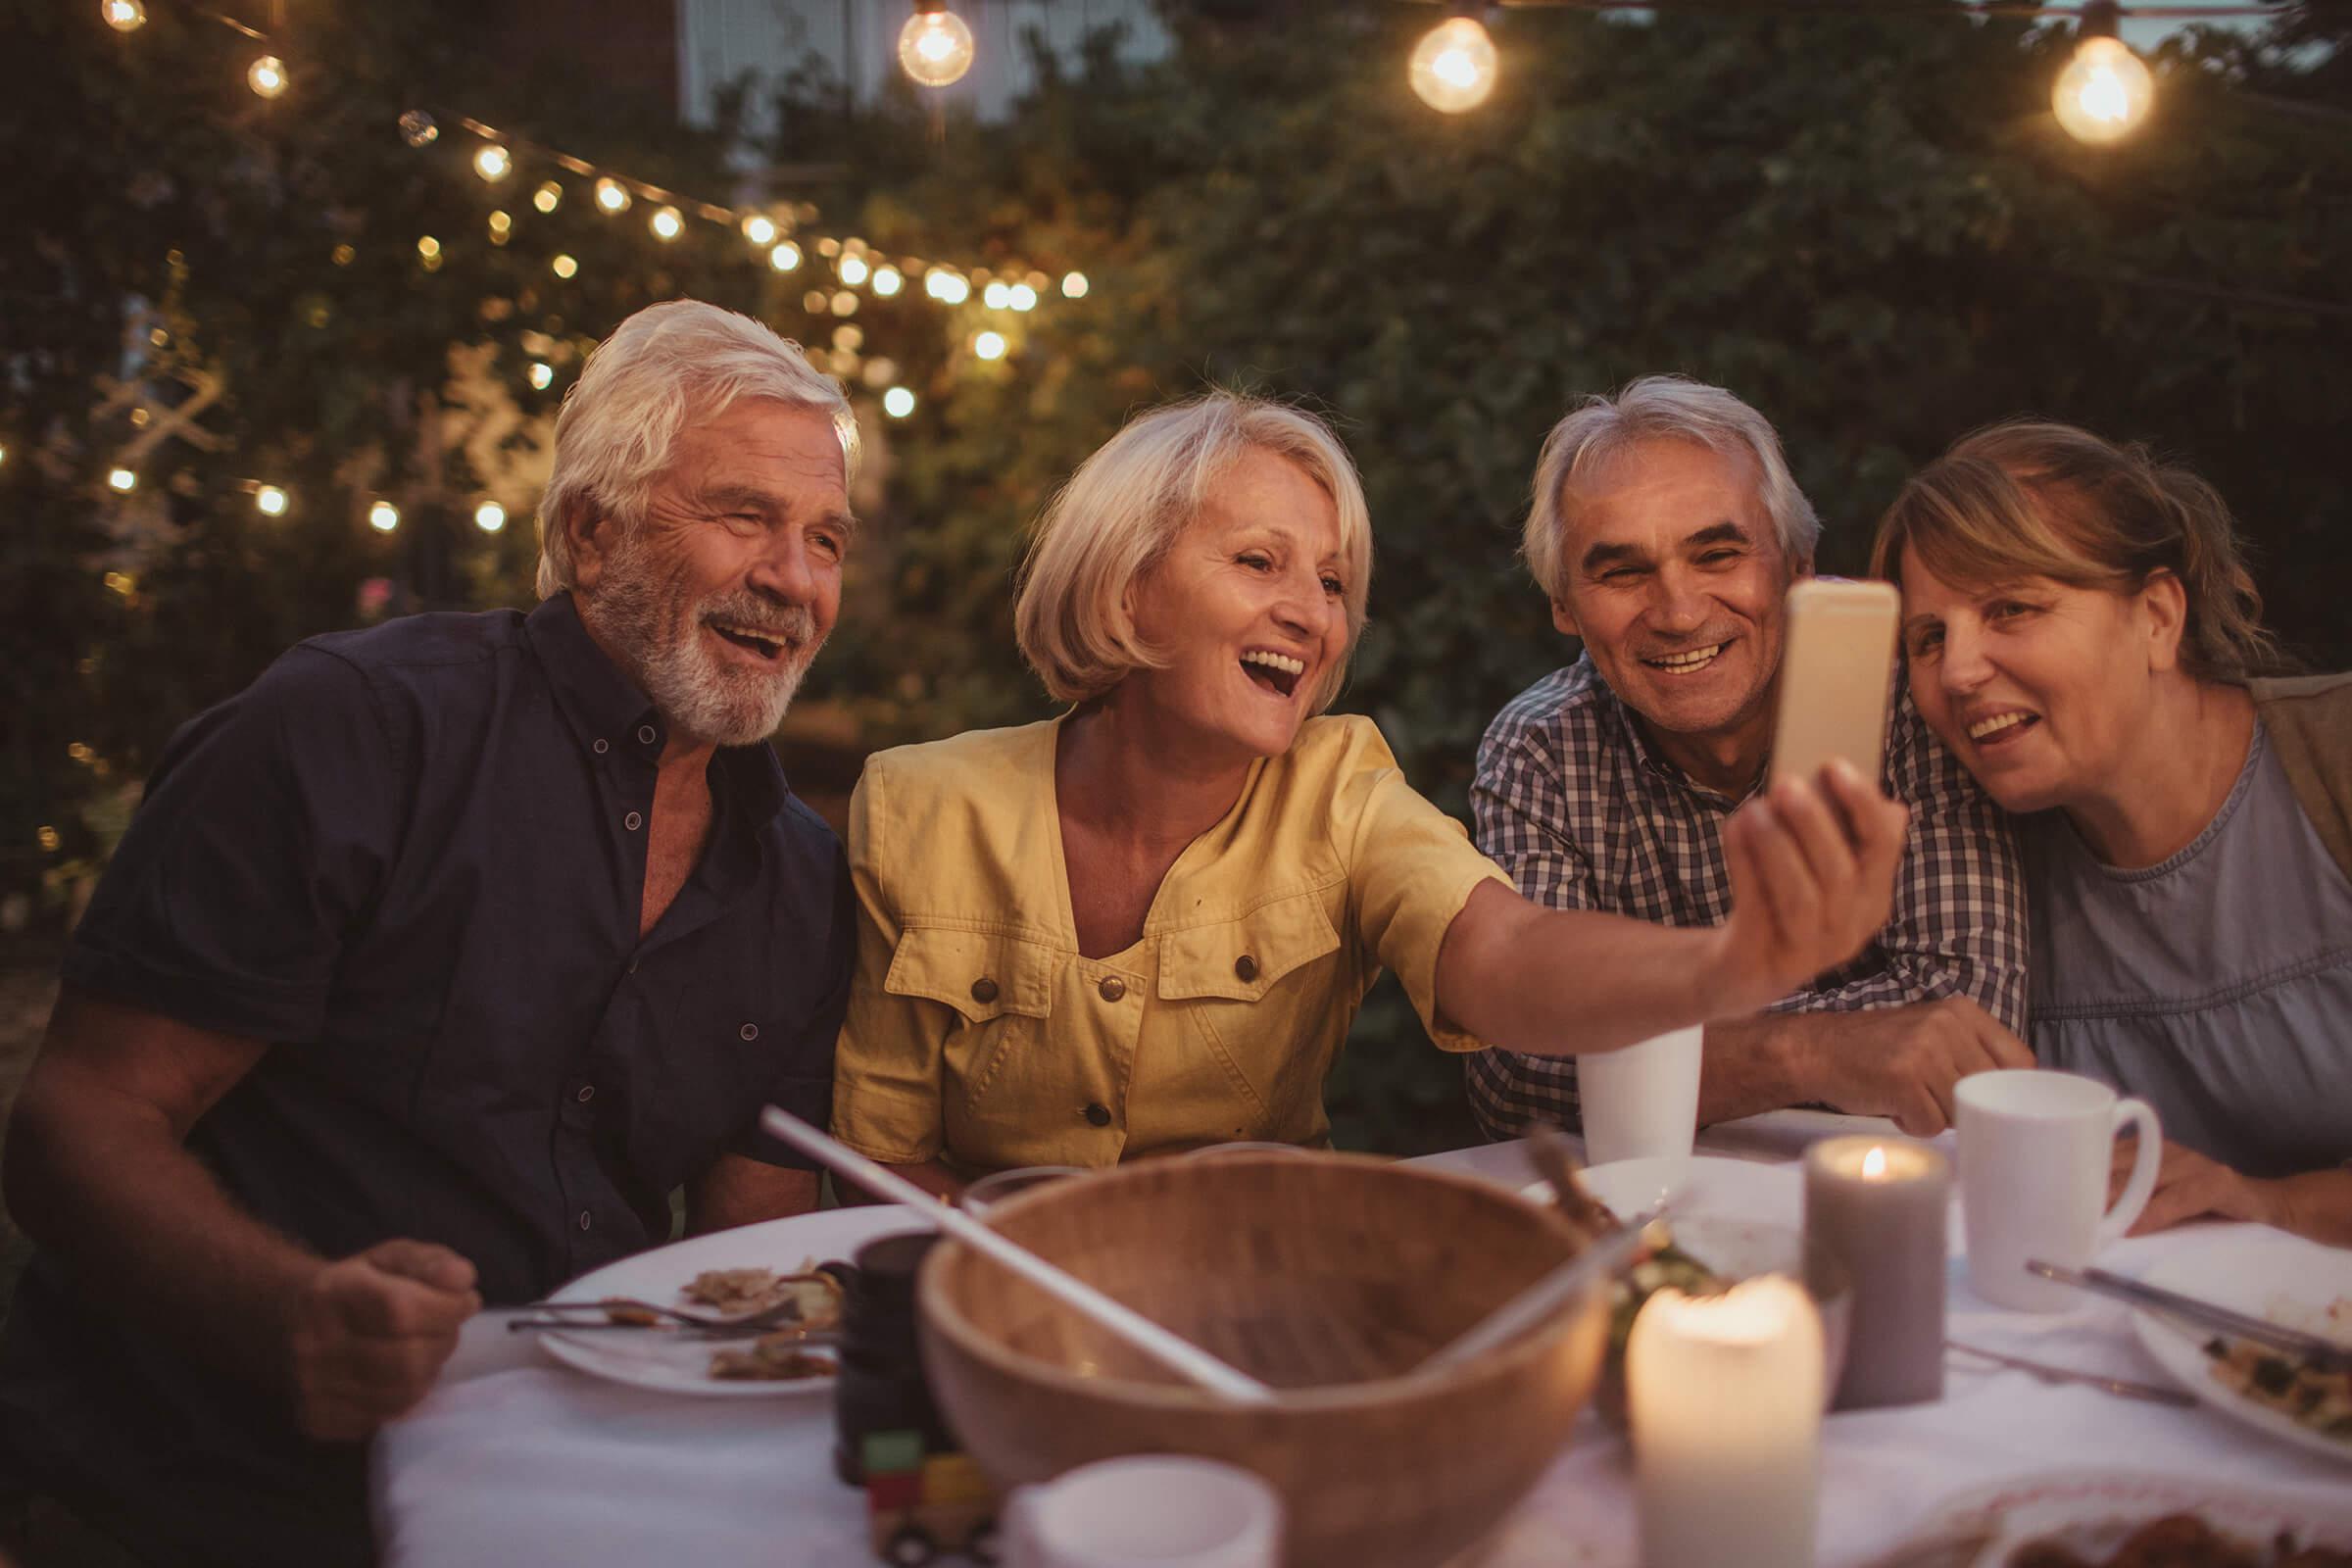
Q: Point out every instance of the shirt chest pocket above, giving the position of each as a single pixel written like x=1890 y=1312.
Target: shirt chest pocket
x=1269 y=996
x=996 y=991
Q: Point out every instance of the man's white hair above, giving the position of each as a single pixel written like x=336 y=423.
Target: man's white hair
x=1671 y=407
x=621 y=422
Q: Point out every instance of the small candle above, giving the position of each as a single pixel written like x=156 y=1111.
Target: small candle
x=1724 y=1395
x=1879 y=1207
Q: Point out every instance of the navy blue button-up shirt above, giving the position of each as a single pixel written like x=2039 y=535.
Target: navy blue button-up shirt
x=410 y=861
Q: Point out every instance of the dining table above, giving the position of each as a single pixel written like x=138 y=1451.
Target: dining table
x=513 y=1458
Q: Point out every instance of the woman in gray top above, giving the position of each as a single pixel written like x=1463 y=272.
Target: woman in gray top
x=2084 y=637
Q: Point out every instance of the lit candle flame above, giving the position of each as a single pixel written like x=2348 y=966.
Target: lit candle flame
x=1874 y=1165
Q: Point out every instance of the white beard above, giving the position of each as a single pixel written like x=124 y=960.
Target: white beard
x=650 y=621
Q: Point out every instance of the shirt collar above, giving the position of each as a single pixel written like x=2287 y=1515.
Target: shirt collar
x=601 y=704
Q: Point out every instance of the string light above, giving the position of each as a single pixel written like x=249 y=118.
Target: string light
x=489 y=516
x=666 y=224
x=612 y=196
x=935 y=47
x=995 y=296
x=492 y=163
x=898 y=403
x=563 y=266
x=270 y=501
x=989 y=344
x=124 y=16
x=548 y=197
x=888 y=280
x=542 y=374
x=844 y=303
x=1021 y=297
x=267 y=76
x=383 y=517
x=947 y=285
x=785 y=258
x=121 y=481
x=1073 y=285
x=417 y=129
x=852 y=270
x=760 y=230
x=1453 y=66
x=428 y=253
x=2105 y=92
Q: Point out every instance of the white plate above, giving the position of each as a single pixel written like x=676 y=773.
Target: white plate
x=2252 y=1271
x=2090 y=1512
x=673 y=1364
x=1719 y=1188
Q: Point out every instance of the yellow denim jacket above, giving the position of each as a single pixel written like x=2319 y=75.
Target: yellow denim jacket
x=977 y=1031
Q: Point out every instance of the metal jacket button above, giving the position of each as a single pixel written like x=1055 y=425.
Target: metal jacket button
x=602 y=745
x=632 y=821
x=749 y=1031
x=1099 y=1113
x=1113 y=988
x=1246 y=966
x=644 y=734
x=984 y=990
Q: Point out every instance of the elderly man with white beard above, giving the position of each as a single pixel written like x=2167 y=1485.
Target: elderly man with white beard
x=433 y=964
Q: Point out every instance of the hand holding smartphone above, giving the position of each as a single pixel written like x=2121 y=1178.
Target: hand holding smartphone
x=1837 y=678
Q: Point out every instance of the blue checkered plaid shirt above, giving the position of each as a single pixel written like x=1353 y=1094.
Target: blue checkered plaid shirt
x=1574 y=804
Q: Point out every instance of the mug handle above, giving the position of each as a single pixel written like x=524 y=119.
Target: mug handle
x=2142 y=1184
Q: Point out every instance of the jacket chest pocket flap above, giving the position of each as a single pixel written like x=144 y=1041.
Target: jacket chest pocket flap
x=981 y=974
x=1242 y=960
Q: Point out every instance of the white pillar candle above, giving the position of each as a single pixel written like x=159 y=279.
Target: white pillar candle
x=1878 y=1206
x=1724 y=1395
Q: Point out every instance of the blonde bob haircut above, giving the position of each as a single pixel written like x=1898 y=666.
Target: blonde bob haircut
x=621 y=419
x=1121 y=512
x=2032 y=499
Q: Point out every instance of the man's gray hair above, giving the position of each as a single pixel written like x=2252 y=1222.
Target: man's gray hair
x=1671 y=407
x=621 y=422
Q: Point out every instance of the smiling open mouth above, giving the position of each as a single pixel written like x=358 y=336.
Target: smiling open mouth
x=1687 y=662
x=766 y=645
x=1277 y=672
x=2001 y=727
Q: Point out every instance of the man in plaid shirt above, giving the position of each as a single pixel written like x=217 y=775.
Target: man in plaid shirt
x=1666 y=529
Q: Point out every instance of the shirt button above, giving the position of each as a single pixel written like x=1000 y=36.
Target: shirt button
x=1246 y=967
x=644 y=734
x=1099 y=1113
x=749 y=1031
x=585 y=1093
x=984 y=990
x=632 y=821
x=1112 y=989
x=585 y=1221
x=601 y=746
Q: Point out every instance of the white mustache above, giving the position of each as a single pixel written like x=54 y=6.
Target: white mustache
x=792 y=622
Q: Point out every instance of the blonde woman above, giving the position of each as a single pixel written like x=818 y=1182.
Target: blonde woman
x=1147 y=924
x=2084 y=637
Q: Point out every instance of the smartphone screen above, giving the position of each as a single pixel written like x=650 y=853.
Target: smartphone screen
x=1836 y=675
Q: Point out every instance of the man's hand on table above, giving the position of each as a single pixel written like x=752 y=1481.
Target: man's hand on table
x=368 y=1333
x=1900 y=1062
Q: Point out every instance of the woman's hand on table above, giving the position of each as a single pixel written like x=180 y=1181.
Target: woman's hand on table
x=2191 y=1186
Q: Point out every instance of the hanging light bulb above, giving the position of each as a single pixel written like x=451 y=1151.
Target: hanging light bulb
x=1021 y=297
x=935 y=47
x=1454 y=66
x=1073 y=285
x=612 y=196
x=124 y=16
x=666 y=223
x=888 y=280
x=489 y=516
x=417 y=129
x=492 y=163
x=898 y=403
x=989 y=344
x=995 y=296
x=852 y=270
x=548 y=197
x=542 y=375
x=267 y=76
x=2105 y=92
x=760 y=230
x=563 y=266
x=121 y=481
x=383 y=517
x=270 y=501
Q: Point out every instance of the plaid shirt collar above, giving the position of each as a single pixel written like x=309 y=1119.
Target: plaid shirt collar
x=1635 y=733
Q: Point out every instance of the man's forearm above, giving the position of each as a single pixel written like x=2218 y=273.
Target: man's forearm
x=105 y=1185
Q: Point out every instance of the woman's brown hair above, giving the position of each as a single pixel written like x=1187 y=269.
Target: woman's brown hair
x=2032 y=499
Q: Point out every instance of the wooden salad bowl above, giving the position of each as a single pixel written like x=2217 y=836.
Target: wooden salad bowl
x=1327 y=1277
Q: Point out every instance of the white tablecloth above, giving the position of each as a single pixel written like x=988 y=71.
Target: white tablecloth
x=514 y=1461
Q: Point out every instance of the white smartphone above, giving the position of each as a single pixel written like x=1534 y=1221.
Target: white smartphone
x=1837 y=676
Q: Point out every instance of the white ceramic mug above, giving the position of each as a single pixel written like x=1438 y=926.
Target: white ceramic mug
x=1151 y=1510
x=1640 y=1102
x=2035 y=1151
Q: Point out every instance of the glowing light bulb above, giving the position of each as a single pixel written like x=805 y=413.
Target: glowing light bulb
x=898 y=403
x=1073 y=285
x=543 y=375
x=502 y=228
x=995 y=296
x=849 y=338
x=612 y=196
x=844 y=303
x=548 y=197
x=760 y=230
x=888 y=280
x=666 y=223
x=121 y=481
x=492 y=163
x=2104 y=93
x=489 y=516
x=124 y=16
x=383 y=517
x=564 y=266
x=935 y=47
x=1454 y=66
x=417 y=129
x=852 y=270
x=989 y=344
x=947 y=285
x=271 y=501
x=267 y=76
x=785 y=258
x=1021 y=297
